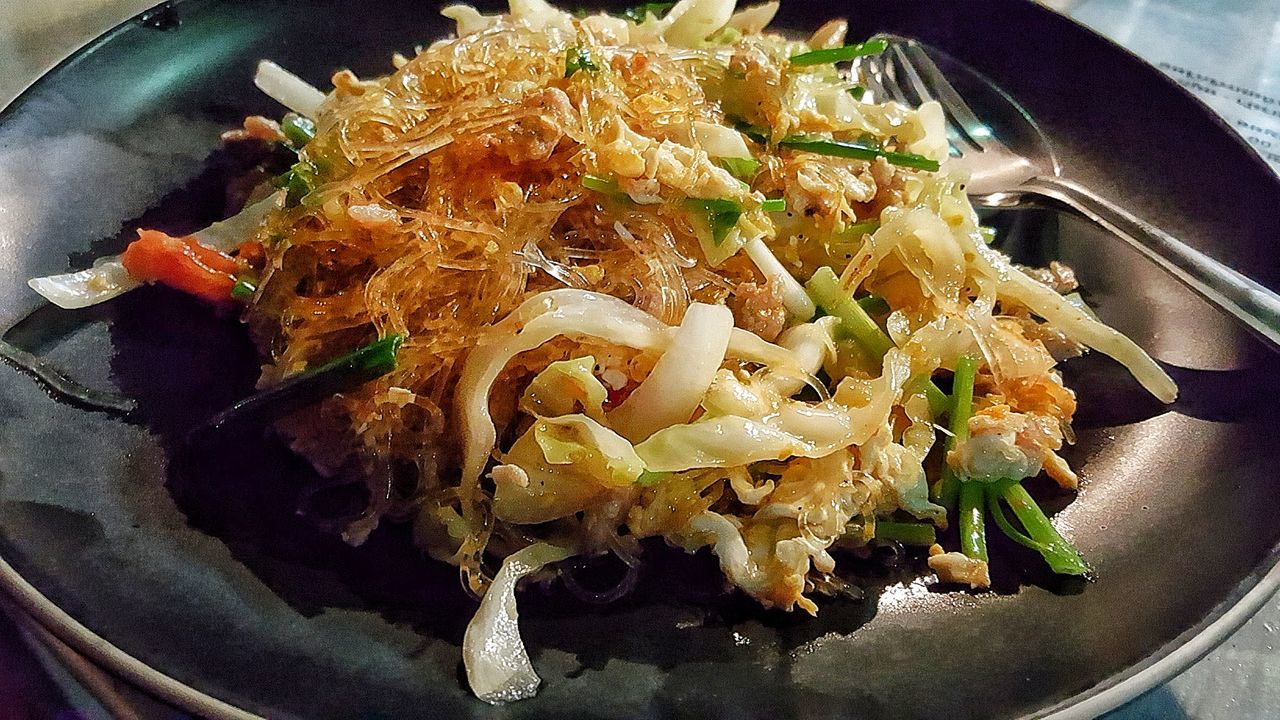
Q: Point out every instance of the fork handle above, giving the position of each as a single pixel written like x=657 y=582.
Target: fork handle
x=1248 y=301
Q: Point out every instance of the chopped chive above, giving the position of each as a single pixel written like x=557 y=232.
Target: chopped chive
x=973 y=531
x=720 y=205
x=740 y=168
x=298 y=130
x=599 y=184
x=370 y=361
x=773 y=205
x=840 y=54
x=988 y=234
x=907 y=533
x=825 y=291
x=245 y=288
x=754 y=132
x=874 y=305
x=858 y=92
x=578 y=58
x=857 y=230
x=722 y=216
x=342 y=374
x=855 y=323
x=839 y=148
x=648 y=478
x=948 y=489
x=939 y=402
x=298 y=182
x=608 y=188
x=640 y=13
x=1040 y=535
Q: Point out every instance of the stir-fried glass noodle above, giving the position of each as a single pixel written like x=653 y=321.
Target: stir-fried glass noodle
x=662 y=274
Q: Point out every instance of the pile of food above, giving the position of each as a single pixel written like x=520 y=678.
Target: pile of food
x=661 y=274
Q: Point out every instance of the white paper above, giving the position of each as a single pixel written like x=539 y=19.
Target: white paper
x=1227 y=52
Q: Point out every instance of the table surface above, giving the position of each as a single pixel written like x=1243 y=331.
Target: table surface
x=1240 y=39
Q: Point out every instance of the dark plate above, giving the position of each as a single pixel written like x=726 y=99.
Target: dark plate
x=203 y=570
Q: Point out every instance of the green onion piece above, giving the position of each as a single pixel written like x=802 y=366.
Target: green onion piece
x=874 y=305
x=754 y=132
x=608 y=188
x=988 y=234
x=824 y=288
x=825 y=291
x=948 y=489
x=857 y=230
x=244 y=288
x=858 y=92
x=740 y=168
x=840 y=148
x=649 y=479
x=578 y=58
x=640 y=13
x=720 y=205
x=600 y=185
x=907 y=533
x=721 y=225
x=722 y=216
x=342 y=374
x=298 y=130
x=973 y=532
x=774 y=205
x=1040 y=535
x=939 y=403
x=298 y=182
x=372 y=361
x=841 y=54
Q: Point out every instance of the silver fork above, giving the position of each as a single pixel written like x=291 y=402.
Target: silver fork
x=1006 y=174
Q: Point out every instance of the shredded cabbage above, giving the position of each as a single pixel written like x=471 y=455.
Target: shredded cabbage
x=593 y=450
x=672 y=391
x=564 y=386
x=497 y=664
x=288 y=89
x=790 y=428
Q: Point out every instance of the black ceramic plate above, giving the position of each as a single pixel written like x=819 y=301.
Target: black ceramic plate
x=204 y=572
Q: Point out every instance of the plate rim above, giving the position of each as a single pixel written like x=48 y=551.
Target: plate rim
x=1161 y=666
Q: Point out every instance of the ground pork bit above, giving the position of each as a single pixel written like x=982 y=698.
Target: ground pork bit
x=256 y=127
x=1007 y=444
x=759 y=309
x=890 y=189
x=809 y=182
x=1059 y=345
x=830 y=35
x=532 y=137
x=513 y=474
x=348 y=83
x=1058 y=276
x=755 y=82
x=954 y=567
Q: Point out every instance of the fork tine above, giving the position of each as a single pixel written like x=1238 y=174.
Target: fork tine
x=957 y=110
x=906 y=72
x=869 y=73
x=961 y=142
